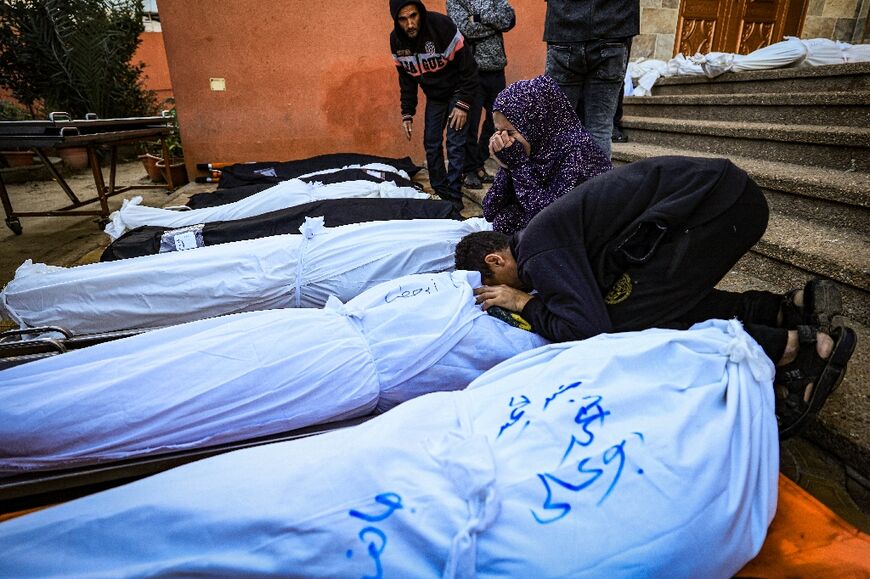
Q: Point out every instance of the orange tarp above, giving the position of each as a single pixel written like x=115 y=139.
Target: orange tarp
x=805 y=540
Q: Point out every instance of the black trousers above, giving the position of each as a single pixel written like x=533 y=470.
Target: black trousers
x=676 y=287
x=490 y=83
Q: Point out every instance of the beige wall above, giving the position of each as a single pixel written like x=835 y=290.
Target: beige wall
x=658 y=25
x=844 y=20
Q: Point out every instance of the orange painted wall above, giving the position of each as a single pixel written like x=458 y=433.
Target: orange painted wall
x=303 y=77
x=152 y=53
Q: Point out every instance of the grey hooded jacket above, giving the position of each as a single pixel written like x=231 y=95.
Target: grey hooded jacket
x=482 y=22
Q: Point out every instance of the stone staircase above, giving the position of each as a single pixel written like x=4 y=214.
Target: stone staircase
x=804 y=136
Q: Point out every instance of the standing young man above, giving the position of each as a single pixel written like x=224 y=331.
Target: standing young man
x=482 y=23
x=587 y=51
x=430 y=52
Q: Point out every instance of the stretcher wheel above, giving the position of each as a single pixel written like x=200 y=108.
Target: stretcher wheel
x=15 y=225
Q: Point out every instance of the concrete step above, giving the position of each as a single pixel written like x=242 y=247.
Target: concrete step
x=837 y=254
x=828 y=196
x=843 y=426
x=829 y=78
x=844 y=148
x=796 y=242
x=847 y=109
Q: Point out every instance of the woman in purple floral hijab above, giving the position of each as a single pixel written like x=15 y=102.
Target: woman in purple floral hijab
x=543 y=150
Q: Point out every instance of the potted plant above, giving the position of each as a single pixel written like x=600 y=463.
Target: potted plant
x=9 y=111
x=176 y=153
x=149 y=157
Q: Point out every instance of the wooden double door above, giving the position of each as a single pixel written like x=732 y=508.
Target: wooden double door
x=738 y=26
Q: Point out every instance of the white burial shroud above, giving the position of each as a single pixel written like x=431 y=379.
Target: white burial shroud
x=285 y=194
x=255 y=274
x=648 y=454
x=252 y=374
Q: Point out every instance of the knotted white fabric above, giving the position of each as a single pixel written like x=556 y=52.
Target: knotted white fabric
x=285 y=194
x=255 y=274
x=309 y=228
x=247 y=375
x=641 y=454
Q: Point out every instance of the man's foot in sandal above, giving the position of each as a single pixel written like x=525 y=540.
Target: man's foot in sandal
x=810 y=370
x=814 y=305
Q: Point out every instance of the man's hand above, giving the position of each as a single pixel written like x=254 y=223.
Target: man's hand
x=457 y=119
x=500 y=140
x=501 y=295
x=407 y=125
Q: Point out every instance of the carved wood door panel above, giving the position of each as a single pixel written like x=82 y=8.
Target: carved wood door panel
x=739 y=26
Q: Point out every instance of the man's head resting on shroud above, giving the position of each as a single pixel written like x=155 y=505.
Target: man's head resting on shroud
x=489 y=253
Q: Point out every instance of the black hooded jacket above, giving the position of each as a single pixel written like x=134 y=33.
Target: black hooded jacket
x=436 y=60
x=640 y=219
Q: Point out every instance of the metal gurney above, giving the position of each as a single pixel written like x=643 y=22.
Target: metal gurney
x=61 y=132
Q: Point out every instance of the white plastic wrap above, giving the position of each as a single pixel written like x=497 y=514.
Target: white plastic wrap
x=285 y=194
x=821 y=51
x=646 y=73
x=855 y=52
x=790 y=52
x=255 y=274
x=248 y=375
x=644 y=454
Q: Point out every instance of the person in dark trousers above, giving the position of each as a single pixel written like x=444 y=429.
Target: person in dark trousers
x=482 y=23
x=618 y=135
x=643 y=246
x=587 y=53
x=430 y=52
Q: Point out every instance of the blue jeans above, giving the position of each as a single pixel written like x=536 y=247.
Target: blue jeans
x=490 y=83
x=591 y=74
x=446 y=183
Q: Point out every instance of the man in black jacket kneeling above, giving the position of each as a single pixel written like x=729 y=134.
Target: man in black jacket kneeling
x=643 y=246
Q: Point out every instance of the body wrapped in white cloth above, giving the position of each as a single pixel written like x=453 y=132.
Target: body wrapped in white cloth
x=255 y=274
x=252 y=374
x=643 y=454
x=285 y=194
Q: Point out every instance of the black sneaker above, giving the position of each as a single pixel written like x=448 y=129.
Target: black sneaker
x=472 y=181
x=484 y=176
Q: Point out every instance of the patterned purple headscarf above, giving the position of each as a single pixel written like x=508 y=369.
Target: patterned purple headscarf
x=562 y=156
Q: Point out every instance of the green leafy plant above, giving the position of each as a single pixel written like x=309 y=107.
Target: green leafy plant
x=74 y=56
x=10 y=111
x=173 y=141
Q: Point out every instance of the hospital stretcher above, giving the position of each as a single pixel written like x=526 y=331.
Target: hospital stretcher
x=59 y=131
x=26 y=345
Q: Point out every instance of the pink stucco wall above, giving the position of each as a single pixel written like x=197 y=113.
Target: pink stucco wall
x=303 y=77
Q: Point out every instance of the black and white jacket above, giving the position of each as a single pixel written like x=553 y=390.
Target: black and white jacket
x=437 y=60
